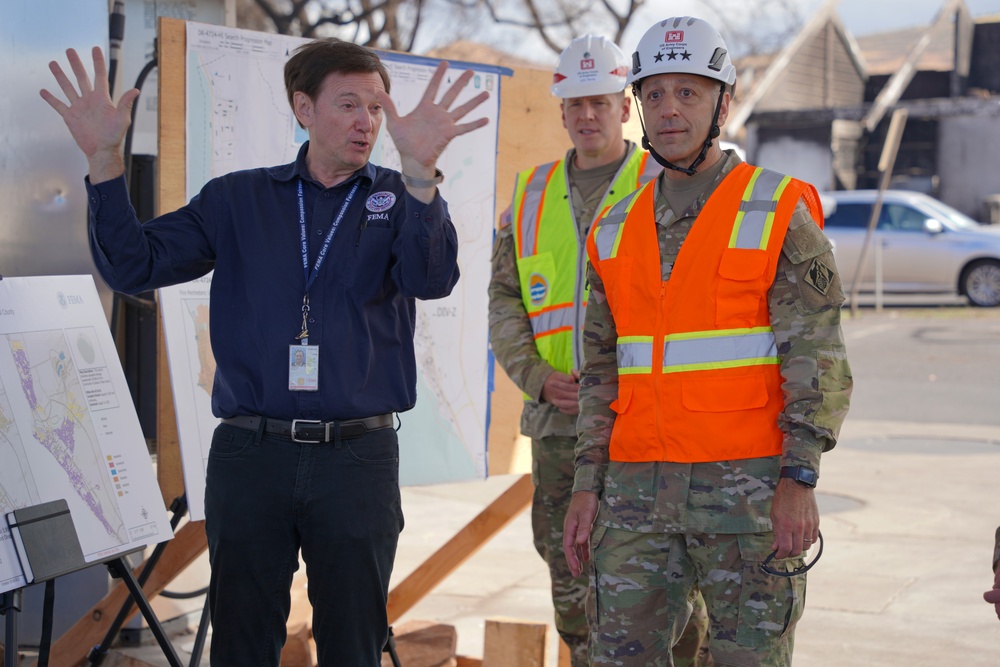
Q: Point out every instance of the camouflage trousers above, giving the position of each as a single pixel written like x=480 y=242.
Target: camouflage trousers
x=643 y=592
x=553 y=461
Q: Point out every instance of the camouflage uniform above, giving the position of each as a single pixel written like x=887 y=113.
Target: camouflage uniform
x=663 y=527
x=552 y=433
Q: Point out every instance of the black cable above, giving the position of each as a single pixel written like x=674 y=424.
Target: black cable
x=118 y=298
x=116 y=33
x=139 y=81
x=184 y=596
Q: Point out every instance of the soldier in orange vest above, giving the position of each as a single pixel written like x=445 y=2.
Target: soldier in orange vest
x=714 y=376
x=537 y=298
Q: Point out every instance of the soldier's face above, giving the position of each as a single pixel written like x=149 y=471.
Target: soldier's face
x=595 y=123
x=677 y=110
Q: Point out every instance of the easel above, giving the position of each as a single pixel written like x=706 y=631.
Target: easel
x=521 y=106
x=100 y=651
x=117 y=567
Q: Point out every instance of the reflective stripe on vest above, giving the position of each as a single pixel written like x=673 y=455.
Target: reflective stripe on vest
x=635 y=355
x=608 y=234
x=760 y=200
x=552 y=320
x=526 y=229
x=704 y=350
x=700 y=350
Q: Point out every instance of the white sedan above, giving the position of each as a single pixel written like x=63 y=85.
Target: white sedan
x=926 y=246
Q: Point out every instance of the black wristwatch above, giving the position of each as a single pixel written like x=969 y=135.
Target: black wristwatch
x=801 y=474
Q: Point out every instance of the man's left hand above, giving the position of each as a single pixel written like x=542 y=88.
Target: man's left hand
x=795 y=517
x=423 y=134
x=993 y=596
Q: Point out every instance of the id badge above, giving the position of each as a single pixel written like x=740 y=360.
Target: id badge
x=303 y=367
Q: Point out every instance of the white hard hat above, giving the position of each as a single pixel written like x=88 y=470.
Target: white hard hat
x=682 y=45
x=590 y=65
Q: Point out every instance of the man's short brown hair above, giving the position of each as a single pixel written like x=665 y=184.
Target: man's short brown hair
x=308 y=67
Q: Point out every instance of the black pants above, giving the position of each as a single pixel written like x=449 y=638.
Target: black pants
x=266 y=498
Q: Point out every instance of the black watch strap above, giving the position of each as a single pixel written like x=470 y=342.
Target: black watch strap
x=801 y=474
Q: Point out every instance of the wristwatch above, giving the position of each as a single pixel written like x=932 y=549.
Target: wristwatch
x=801 y=474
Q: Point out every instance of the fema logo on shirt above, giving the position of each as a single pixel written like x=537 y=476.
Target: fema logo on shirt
x=538 y=288
x=380 y=201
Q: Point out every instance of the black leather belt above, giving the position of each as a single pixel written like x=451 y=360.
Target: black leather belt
x=313 y=430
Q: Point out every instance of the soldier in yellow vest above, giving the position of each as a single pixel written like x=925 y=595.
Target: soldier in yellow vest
x=537 y=297
x=714 y=376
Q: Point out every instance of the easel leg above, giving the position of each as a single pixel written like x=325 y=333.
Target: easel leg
x=100 y=652
x=199 y=638
x=120 y=570
x=11 y=606
x=390 y=648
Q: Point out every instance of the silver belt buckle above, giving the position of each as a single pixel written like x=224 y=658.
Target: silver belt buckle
x=296 y=422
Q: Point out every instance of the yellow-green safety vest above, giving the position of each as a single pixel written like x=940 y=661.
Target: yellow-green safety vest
x=551 y=257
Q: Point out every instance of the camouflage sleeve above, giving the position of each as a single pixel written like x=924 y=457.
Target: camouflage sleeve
x=510 y=330
x=805 y=303
x=598 y=388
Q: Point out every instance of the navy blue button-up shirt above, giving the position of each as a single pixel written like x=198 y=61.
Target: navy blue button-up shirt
x=390 y=249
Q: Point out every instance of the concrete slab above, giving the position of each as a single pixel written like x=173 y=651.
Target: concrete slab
x=908 y=515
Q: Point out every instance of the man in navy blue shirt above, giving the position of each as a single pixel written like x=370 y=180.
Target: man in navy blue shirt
x=316 y=265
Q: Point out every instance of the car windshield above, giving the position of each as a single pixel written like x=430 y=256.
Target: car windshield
x=956 y=218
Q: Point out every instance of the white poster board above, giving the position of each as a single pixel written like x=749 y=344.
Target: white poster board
x=68 y=428
x=238 y=117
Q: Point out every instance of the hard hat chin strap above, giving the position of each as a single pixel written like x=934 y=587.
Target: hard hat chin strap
x=712 y=134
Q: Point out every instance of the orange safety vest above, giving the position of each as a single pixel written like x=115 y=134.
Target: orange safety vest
x=698 y=367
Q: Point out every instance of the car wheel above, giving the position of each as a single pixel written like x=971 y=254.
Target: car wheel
x=981 y=283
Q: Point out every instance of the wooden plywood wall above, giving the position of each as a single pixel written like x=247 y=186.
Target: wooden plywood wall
x=531 y=133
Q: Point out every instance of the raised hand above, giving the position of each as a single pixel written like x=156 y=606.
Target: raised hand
x=423 y=134
x=97 y=125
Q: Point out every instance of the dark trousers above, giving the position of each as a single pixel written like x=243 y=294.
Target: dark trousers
x=266 y=498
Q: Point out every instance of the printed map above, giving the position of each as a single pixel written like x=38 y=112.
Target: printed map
x=68 y=428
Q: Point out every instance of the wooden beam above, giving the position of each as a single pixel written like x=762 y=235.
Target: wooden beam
x=459 y=548
x=514 y=643
x=73 y=646
x=170 y=196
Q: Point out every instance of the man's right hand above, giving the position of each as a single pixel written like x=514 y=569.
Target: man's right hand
x=576 y=530
x=98 y=126
x=562 y=391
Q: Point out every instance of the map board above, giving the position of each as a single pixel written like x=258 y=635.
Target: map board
x=68 y=428
x=238 y=117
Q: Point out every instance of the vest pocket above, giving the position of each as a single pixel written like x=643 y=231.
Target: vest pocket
x=728 y=394
x=742 y=286
x=616 y=273
x=620 y=404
